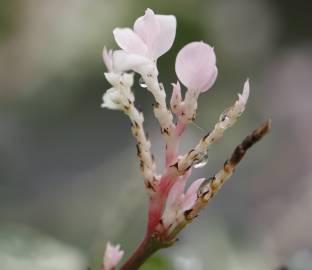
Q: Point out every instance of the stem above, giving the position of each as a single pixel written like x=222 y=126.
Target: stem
x=147 y=247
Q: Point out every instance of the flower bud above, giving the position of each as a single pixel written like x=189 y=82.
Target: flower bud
x=112 y=256
x=196 y=66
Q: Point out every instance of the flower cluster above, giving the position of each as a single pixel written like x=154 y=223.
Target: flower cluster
x=171 y=206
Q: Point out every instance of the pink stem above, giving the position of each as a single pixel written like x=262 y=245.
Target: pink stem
x=156 y=204
x=146 y=248
x=172 y=147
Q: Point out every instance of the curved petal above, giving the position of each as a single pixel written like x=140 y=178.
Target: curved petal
x=177 y=189
x=195 y=65
x=174 y=200
x=112 y=77
x=123 y=61
x=191 y=194
x=157 y=31
x=212 y=80
x=147 y=28
x=129 y=41
x=165 y=39
x=108 y=59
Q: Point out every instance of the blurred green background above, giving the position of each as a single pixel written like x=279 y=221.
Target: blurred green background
x=69 y=181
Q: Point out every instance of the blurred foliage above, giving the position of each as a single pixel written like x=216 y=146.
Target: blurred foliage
x=157 y=263
x=8 y=23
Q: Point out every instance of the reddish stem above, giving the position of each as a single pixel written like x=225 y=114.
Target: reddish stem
x=156 y=205
x=147 y=248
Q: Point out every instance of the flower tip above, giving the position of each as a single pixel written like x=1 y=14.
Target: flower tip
x=246 y=88
x=149 y=11
x=115 y=30
x=247 y=82
x=243 y=97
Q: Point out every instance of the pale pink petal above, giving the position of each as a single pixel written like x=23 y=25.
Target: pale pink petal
x=112 y=256
x=124 y=61
x=112 y=77
x=174 y=199
x=165 y=39
x=195 y=66
x=191 y=194
x=178 y=188
x=108 y=59
x=212 y=79
x=157 y=31
x=129 y=41
x=147 y=28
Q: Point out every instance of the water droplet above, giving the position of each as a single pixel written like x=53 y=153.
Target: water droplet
x=142 y=83
x=224 y=115
x=202 y=161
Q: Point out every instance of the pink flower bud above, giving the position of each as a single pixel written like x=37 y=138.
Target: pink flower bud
x=112 y=256
x=179 y=201
x=176 y=98
x=196 y=66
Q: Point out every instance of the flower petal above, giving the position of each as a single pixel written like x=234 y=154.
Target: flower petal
x=112 y=99
x=175 y=197
x=212 y=80
x=112 y=78
x=195 y=66
x=157 y=31
x=123 y=61
x=168 y=26
x=177 y=189
x=147 y=28
x=129 y=41
x=191 y=194
x=108 y=59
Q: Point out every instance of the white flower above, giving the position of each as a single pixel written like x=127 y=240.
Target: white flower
x=112 y=99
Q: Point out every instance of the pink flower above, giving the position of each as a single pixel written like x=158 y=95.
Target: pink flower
x=112 y=256
x=179 y=201
x=196 y=66
x=151 y=37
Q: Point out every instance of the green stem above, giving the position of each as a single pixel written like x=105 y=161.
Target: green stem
x=146 y=249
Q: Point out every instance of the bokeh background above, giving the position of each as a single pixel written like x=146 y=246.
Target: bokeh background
x=69 y=181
